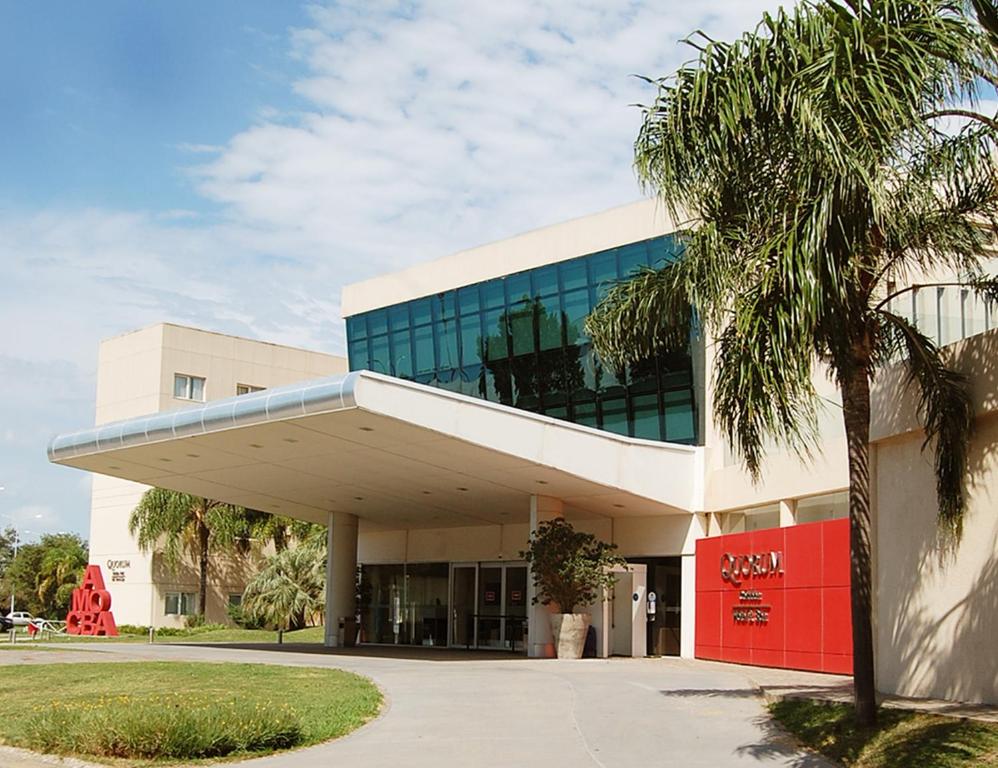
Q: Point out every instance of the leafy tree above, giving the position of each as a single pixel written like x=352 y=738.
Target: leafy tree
x=60 y=571
x=570 y=568
x=7 y=538
x=289 y=591
x=44 y=574
x=813 y=179
x=179 y=524
x=282 y=531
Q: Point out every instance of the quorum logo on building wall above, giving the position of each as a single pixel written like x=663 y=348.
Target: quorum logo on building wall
x=117 y=569
x=738 y=568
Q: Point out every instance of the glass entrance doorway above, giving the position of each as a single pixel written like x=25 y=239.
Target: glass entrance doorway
x=489 y=605
x=665 y=580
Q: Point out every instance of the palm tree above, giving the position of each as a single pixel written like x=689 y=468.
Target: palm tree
x=813 y=181
x=280 y=530
x=289 y=590
x=63 y=560
x=180 y=524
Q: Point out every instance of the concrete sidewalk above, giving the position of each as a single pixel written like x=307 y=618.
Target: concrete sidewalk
x=506 y=712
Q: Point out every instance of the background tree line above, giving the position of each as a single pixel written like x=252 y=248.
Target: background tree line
x=43 y=575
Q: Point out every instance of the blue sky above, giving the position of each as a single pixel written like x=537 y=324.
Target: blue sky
x=232 y=164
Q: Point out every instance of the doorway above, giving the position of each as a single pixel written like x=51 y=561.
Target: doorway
x=488 y=604
x=665 y=581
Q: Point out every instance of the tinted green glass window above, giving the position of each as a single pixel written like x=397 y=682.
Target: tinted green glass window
x=357 y=354
x=402 y=354
x=421 y=312
x=544 y=281
x=495 y=330
x=493 y=294
x=445 y=306
x=398 y=317
x=572 y=274
x=517 y=287
x=603 y=272
x=471 y=340
x=575 y=306
x=377 y=322
x=646 y=417
x=549 y=324
x=530 y=328
x=521 y=328
x=423 y=344
x=446 y=334
x=615 y=415
x=379 y=362
x=357 y=327
x=632 y=258
x=679 y=424
x=468 y=300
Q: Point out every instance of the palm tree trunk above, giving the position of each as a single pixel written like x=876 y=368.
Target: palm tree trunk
x=856 y=414
x=203 y=534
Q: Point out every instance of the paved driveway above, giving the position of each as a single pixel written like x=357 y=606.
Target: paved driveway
x=450 y=709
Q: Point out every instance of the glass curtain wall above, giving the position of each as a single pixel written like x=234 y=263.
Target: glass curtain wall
x=520 y=340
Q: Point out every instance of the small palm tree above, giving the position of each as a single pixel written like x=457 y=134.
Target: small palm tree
x=63 y=560
x=813 y=179
x=180 y=524
x=289 y=592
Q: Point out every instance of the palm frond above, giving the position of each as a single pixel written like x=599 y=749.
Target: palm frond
x=946 y=408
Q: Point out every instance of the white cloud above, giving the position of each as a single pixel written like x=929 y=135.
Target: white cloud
x=427 y=127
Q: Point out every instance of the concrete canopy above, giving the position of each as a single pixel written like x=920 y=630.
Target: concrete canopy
x=394 y=453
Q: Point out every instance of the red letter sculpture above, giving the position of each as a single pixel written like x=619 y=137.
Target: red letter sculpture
x=90 y=611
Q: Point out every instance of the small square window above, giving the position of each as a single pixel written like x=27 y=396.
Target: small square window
x=181 y=603
x=235 y=599
x=187 y=387
x=245 y=389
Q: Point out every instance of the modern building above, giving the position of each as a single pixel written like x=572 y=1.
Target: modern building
x=161 y=369
x=475 y=409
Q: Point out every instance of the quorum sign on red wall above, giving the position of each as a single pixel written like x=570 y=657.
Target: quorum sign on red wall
x=776 y=598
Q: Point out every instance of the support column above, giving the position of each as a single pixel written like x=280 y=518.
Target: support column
x=341 y=572
x=788 y=512
x=540 y=644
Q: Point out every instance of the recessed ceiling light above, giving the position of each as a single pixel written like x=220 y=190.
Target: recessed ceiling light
x=367 y=429
x=113 y=466
x=542 y=482
x=167 y=461
x=461 y=488
x=504 y=514
x=255 y=445
x=193 y=455
x=290 y=439
x=619 y=506
x=358 y=498
x=426 y=493
x=277 y=506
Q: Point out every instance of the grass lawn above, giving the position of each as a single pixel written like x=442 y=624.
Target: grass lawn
x=41 y=704
x=227 y=635
x=901 y=739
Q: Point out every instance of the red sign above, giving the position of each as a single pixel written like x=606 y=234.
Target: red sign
x=776 y=598
x=90 y=611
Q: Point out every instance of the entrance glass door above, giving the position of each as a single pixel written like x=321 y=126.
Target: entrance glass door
x=464 y=580
x=489 y=605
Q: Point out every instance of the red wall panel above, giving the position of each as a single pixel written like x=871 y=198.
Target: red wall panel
x=777 y=598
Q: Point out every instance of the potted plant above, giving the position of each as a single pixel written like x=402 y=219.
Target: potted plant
x=571 y=569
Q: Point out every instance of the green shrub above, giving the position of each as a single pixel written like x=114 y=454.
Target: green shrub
x=173 y=726
x=188 y=631
x=241 y=619
x=132 y=629
x=194 y=621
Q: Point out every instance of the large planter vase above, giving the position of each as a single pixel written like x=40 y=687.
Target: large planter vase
x=569 y=631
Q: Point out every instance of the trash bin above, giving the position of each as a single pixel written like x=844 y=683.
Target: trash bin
x=347 y=634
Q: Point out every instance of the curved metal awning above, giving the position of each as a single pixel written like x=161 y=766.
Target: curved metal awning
x=395 y=453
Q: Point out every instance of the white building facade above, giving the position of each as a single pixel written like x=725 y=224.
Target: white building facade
x=475 y=409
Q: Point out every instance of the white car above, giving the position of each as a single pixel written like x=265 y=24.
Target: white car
x=20 y=618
